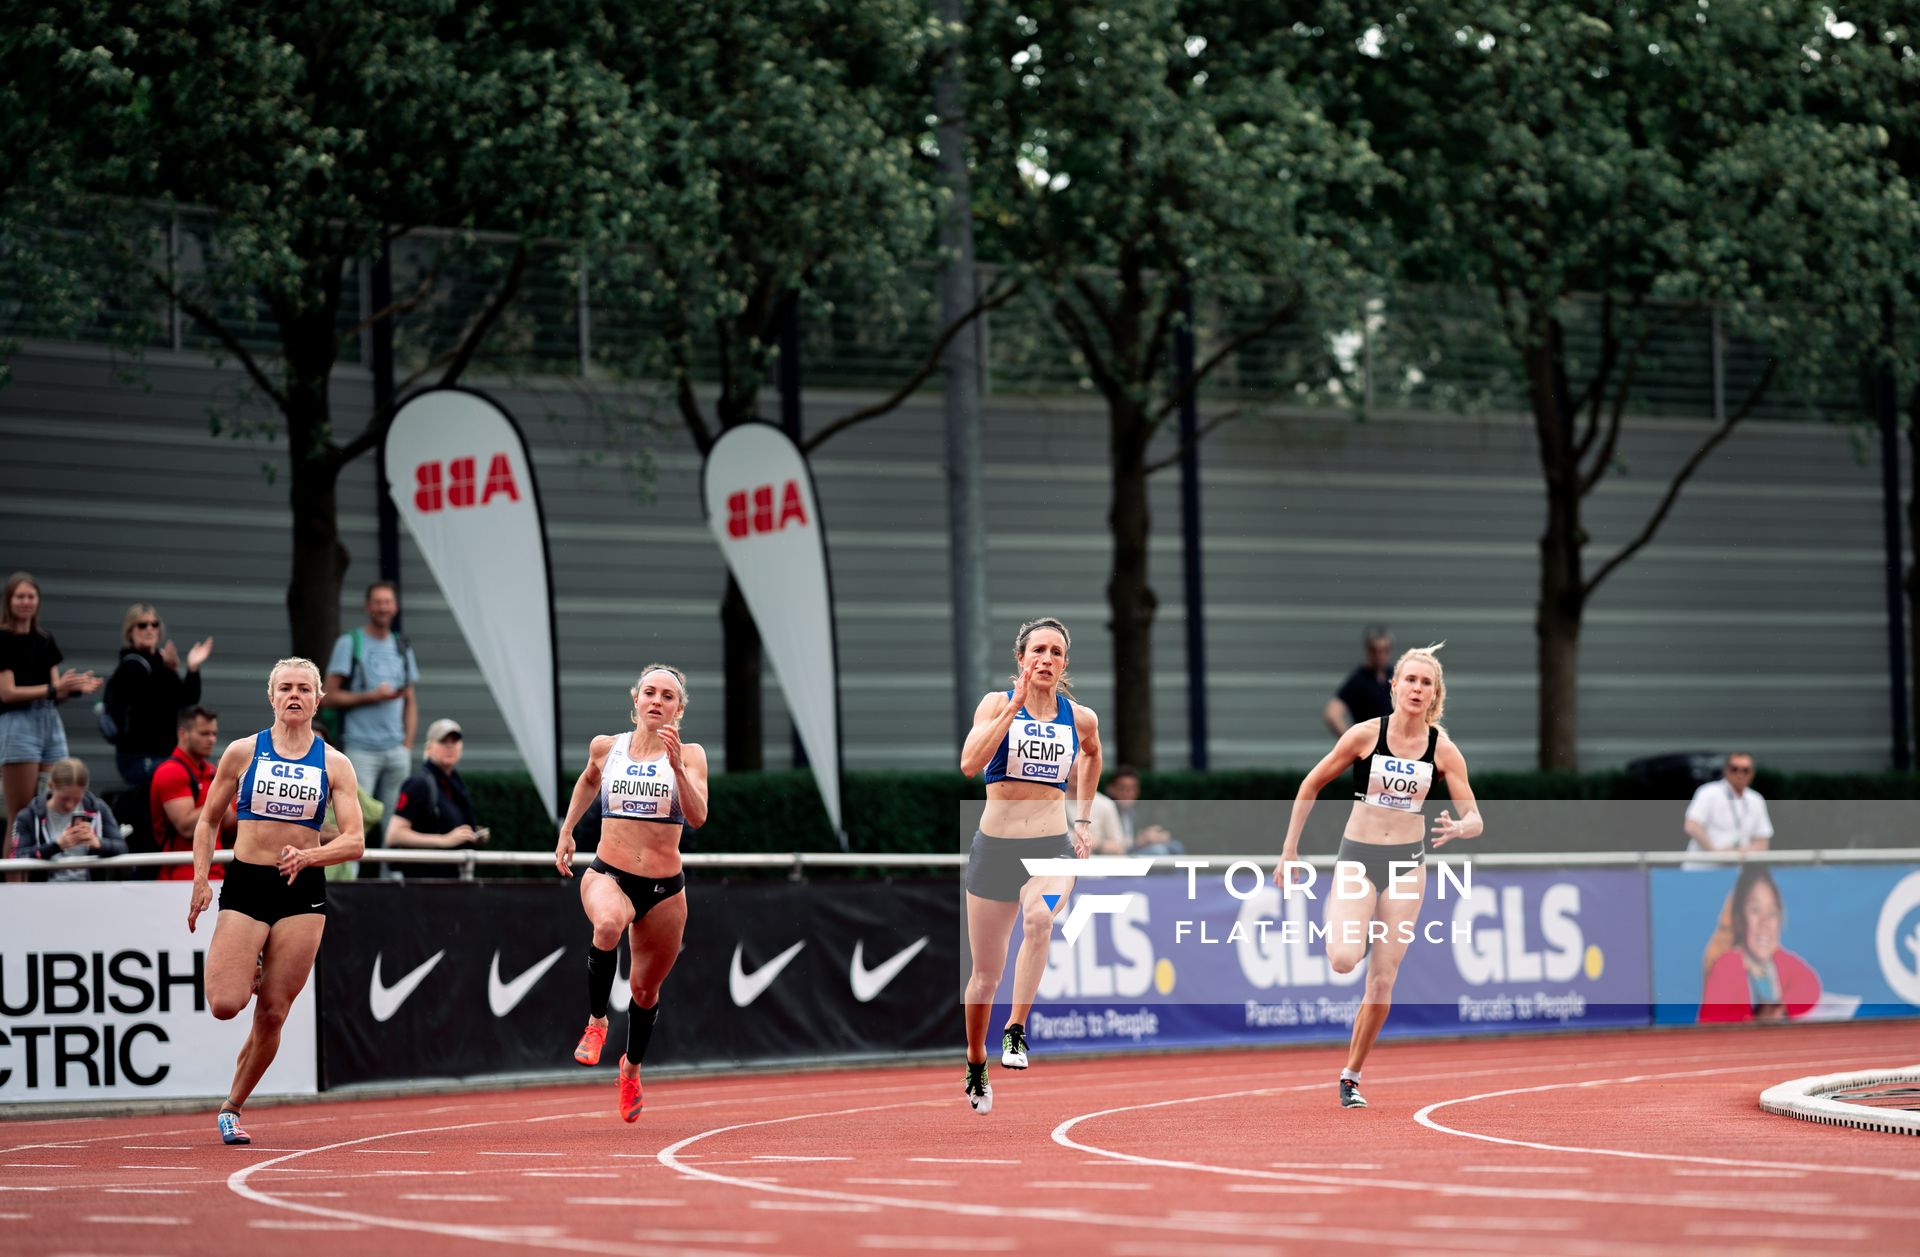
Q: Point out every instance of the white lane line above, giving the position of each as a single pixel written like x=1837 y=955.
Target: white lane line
x=1425 y=1118
x=903 y=1182
x=666 y=1235
x=1068 y=1185
x=621 y=1202
x=1828 y=1231
x=15 y=1217
x=813 y=1206
x=565 y=1174
x=960 y=1161
x=940 y=1243
x=147 y=1191
x=393 y=1152
x=1685 y=1172
x=156 y=1167
x=9 y=1187
x=463 y=1198
x=769 y=1156
x=523 y=1154
x=40 y=1165
x=1324 y=1165
x=1505 y=1192
x=1523 y=1169
x=315 y=1195
x=302 y=1224
x=160 y=1147
x=1162 y=1248
x=115 y=1219
x=1474 y=1222
x=1287 y=1189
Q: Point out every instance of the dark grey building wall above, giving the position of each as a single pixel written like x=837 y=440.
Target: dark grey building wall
x=1757 y=617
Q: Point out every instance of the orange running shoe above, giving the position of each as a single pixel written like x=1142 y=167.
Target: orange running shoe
x=592 y=1039
x=630 y=1101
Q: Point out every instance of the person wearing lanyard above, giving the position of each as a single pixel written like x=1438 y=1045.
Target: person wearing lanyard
x=1728 y=814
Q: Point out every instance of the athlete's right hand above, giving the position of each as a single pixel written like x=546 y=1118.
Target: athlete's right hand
x=1020 y=688
x=563 y=855
x=202 y=896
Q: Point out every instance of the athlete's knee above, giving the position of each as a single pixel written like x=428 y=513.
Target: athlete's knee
x=1380 y=979
x=269 y=1016
x=607 y=931
x=644 y=996
x=1344 y=957
x=226 y=1007
x=984 y=978
x=1037 y=921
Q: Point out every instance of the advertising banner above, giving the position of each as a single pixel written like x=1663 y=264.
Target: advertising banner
x=463 y=483
x=1757 y=942
x=491 y=978
x=101 y=997
x=1214 y=955
x=765 y=516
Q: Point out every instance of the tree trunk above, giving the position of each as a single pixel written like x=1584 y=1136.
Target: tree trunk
x=1130 y=599
x=319 y=560
x=1562 y=594
x=1913 y=546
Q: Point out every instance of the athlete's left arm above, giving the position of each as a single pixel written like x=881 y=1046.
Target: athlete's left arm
x=1086 y=776
x=1453 y=766
x=351 y=842
x=689 y=761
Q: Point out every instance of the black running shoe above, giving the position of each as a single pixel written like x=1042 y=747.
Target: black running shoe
x=1350 y=1097
x=979 y=1094
x=1013 y=1047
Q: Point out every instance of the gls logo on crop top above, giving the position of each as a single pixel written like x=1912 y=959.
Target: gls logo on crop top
x=1038 y=750
x=1400 y=784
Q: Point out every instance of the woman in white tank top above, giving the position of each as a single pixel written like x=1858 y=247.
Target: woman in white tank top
x=648 y=784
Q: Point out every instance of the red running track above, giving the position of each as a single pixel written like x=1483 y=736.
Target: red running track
x=1624 y=1144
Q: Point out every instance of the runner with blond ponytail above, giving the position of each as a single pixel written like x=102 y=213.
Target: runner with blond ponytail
x=1372 y=906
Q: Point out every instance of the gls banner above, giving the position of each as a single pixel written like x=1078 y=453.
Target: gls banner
x=772 y=971
x=1195 y=958
x=765 y=516
x=460 y=477
x=101 y=997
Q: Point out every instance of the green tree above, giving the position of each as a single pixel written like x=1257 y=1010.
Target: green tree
x=310 y=137
x=1126 y=151
x=786 y=171
x=1661 y=160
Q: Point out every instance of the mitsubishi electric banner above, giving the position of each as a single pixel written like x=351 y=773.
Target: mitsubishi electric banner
x=101 y=997
x=462 y=481
x=763 y=511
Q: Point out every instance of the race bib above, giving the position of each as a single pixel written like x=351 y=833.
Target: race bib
x=1039 y=750
x=1399 y=784
x=287 y=792
x=644 y=791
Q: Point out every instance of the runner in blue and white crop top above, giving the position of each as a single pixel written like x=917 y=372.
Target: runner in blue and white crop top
x=638 y=790
x=1040 y=751
x=291 y=791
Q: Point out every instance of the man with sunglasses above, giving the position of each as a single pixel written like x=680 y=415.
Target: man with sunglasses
x=1729 y=814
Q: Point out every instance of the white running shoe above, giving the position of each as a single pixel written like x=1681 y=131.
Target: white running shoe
x=1013 y=1047
x=979 y=1094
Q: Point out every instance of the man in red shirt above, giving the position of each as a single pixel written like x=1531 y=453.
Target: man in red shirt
x=179 y=788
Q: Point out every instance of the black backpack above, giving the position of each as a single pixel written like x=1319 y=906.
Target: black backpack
x=110 y=713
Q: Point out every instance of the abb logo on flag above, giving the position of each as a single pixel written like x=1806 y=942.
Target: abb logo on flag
x=453 y=484
x=742 y=521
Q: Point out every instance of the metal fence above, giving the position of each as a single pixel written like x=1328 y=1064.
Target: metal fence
x=1412 y=349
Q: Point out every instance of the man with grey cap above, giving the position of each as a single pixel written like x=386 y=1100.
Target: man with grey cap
x=433 y=809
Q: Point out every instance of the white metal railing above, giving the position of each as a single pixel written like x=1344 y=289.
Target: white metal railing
x=797 y=863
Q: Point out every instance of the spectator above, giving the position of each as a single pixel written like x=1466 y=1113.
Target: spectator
x=67 y=823
x=1729 y=814
x=145 y=695
x=1116 y=830
x=1755 y=978
x=32 y=738
x=1368 y=692
x=370 y=679
x=434 y=810
x=179 y=788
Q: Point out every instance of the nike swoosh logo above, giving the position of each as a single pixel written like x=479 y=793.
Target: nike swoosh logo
x=504 y=997
x=385 y=1000
x=868 y=983
x=746 y=987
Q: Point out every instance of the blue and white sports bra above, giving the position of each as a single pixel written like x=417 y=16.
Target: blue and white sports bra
x=638 y=790
x=275 y=788
x=1040 y=751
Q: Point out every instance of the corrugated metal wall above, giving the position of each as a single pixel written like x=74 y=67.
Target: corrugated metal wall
x=1757 y=618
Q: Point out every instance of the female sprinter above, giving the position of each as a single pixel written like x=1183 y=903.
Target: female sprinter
x=1034 y=742
x=649 y=783
x=273 y=902
x=1394 y=760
